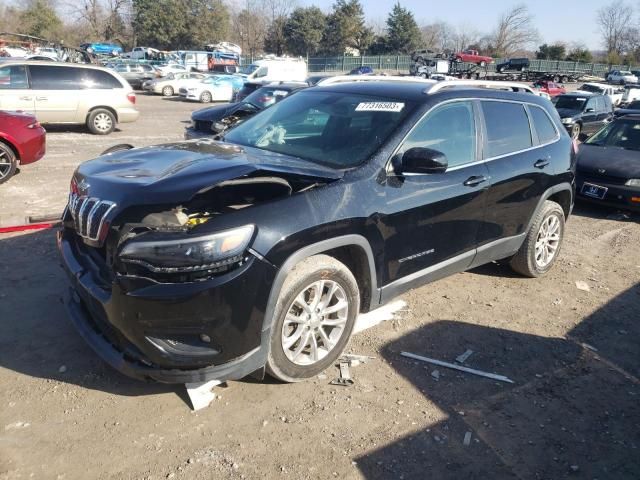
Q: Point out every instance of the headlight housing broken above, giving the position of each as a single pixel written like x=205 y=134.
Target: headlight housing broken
x=189 y=254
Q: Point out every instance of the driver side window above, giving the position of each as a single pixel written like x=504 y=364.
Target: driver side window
x=450 y=129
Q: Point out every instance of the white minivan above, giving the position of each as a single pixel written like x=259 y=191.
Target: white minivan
x=68 y=93
x=276 y=69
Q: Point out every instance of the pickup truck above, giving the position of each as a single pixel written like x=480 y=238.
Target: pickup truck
x=472 y=56
x=614 y=93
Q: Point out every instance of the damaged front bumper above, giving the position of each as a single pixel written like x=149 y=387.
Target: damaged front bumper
x=170 y=332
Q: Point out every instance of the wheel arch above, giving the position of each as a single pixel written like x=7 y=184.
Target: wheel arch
x=561 y=193
x=104 y=107
x=353 y=250
x=12 y=144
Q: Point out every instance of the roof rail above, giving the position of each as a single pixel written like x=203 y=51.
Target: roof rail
x=372 y=78
x=499 y=85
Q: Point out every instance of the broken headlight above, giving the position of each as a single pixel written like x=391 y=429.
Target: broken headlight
x=184 y=255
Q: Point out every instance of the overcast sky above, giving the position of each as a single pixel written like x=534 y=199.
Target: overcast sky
x=556 y=20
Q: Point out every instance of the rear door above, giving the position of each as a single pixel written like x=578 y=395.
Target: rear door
x=57 y=92
x=590 y=116
x=15 y=93
x=519 y=168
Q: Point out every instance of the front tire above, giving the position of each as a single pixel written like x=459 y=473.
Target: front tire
x=8 y=162
x=313 y=319
x=542 y=244
x=167 y=91
x=576 y=130
x=101 y=122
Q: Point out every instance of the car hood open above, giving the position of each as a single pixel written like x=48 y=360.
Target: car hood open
x=616 y=162
x=175 y=173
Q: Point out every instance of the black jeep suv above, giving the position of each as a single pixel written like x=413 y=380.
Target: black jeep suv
x=215 y=259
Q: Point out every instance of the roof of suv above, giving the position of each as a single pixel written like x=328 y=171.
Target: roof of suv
x=24 y=61
x=418 y=91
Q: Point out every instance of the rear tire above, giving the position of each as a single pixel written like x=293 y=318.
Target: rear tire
x=299 y=330
x=167 y=91
x=101 y=122
x=541 y=246
x=8 y=162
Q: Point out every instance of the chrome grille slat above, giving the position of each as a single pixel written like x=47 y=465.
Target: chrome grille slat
x=89 y=215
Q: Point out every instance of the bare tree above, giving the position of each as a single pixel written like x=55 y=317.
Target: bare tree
x=515 y=31
x=439 y=36
x=614 y=24
x=250 y=27
x=465 y=37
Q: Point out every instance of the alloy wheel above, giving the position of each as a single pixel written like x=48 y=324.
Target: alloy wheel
x=548 y=241
x=5 y=162
x=315 y=322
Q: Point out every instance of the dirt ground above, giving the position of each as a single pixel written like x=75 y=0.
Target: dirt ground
x=573 y=410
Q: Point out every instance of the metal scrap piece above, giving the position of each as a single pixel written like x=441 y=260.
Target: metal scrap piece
x=344 y=379
x=453 y=366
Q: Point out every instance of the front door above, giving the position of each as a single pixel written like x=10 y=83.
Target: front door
x=431 y=222
x=15 y=93
x=56 y=91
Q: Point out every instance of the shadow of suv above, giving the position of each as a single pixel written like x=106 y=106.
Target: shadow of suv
x=213 y=260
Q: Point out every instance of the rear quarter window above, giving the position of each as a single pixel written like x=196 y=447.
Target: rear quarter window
x=100 y=80
x=545 y=127
x=507 y=127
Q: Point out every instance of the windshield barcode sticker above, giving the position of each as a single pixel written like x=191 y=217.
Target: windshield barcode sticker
x=379 y=107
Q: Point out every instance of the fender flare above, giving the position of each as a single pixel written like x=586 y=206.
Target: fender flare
x=561 y=187
x=314 y=249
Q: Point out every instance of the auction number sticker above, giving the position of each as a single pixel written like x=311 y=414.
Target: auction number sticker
x=379 y=107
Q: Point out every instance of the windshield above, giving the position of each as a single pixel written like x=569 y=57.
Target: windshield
x=591 y=88
x=266 y=96
x=335 y=129
x=249 y=69
x=620 y=134
x=570 y=103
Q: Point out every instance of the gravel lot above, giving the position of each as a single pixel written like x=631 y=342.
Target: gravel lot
x=573 y=411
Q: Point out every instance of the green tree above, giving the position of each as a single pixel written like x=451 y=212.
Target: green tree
x=39 y=18
x=402 y=31
x=275 y=40
x=206 y=21
x=304 y=29
x=580 y=54
x=158 y=23
x=556 y=51
x=345 y=28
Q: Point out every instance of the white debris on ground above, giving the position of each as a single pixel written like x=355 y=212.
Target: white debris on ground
x=201 y=394
x=379 y=315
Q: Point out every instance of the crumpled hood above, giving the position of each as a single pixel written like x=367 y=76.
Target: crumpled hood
x=617 y=162
x=217 y=112
x=175 y=173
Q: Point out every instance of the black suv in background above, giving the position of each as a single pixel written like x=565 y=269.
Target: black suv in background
x=583 y=114
x=213 y=260
x=210 y=121
x=513 y=64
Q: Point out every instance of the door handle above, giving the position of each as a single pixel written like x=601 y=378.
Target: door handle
x=26 y=99
x=543 y=162
x=41 y=99
x=475 y=180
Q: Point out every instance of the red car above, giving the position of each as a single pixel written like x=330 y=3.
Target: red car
x=472 y=56
x=552 y=88
x=22 y=141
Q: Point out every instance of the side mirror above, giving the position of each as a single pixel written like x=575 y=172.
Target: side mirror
x=590 y=110
x=420 y=160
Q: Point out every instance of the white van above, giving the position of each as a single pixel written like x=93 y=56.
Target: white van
x=276 y=70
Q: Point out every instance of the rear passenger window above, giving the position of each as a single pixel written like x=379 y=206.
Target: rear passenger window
x=508 y=128
x=450 y=129
x=13 y=78
x=544 y=126
x=55 y=78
